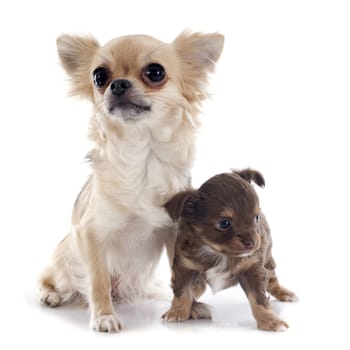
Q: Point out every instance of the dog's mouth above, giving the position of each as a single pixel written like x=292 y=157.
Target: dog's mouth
x=127 y=109
x=139 y=108
x=243 y=254
x=239 y=250
x=235 y=252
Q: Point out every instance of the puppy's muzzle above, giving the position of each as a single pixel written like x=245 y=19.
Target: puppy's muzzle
x=247 y=242
x=120 y=86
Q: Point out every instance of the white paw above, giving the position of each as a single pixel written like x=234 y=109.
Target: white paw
x=49 y=298
x=106 y=323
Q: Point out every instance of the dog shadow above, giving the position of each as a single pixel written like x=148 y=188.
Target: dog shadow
x=143 y=314
x=228 y=313
x=225 y=315
x=230 y=310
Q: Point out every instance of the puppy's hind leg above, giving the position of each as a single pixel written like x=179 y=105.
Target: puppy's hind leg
x=274 y=288
x=199 y=310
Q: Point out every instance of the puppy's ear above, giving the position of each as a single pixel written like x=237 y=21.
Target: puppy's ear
x=251 y=175
x=76 y=53
x=198 y=54
x=182 y=204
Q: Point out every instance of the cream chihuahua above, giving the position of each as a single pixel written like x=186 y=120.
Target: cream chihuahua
x=146 y=96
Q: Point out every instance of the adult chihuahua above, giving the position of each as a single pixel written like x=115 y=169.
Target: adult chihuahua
x=146 y=96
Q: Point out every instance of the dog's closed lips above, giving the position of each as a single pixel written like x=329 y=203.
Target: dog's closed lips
x=129 y=105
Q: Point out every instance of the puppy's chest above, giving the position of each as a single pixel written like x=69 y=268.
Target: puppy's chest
x=221 y=276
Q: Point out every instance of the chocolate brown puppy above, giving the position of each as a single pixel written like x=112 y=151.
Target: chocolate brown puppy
x=223 y=240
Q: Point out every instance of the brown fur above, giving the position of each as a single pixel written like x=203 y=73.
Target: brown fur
x=241 y=253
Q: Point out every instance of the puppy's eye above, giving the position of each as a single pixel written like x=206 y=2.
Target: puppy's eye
x=154 y=74
x=257 y=218
x=101 y=77
x=223 y=224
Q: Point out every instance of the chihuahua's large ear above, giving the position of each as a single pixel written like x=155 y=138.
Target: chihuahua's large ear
x=183 y=204
x=198 y=53
x=251 y=175
x=76 y=53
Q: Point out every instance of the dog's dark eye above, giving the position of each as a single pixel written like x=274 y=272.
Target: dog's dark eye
x=101 y=77
x=223 y=224
x=257 y=218
x=154 y=73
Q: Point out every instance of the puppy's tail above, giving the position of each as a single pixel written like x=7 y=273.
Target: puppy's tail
x=251 y=175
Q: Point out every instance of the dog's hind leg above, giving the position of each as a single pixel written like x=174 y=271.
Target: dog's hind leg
x=274 y=287
x=55 y=283
x=199 y=310
x=48 y=293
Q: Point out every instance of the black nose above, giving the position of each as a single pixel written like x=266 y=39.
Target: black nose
x=247 y=242
x=119 y=86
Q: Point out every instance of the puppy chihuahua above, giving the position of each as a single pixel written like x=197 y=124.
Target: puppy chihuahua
x=224 y=239
x=146 y=96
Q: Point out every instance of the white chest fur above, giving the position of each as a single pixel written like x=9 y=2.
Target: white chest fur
x=219 y=277
x=143 y=165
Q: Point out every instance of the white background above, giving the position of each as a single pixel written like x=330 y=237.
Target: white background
x=280 y=104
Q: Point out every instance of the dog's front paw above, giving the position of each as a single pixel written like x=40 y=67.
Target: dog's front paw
x=272 y=324
x=176 y=315
x=106 y=323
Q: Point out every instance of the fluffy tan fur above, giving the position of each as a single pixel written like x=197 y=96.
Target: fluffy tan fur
x=119 y=226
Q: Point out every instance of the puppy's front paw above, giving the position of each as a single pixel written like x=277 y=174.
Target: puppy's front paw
x=272 y=324
x=176 y=315
x=106 y=323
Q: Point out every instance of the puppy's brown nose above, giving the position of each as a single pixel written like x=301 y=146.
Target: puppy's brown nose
x=119 y=86
x=247 y=242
